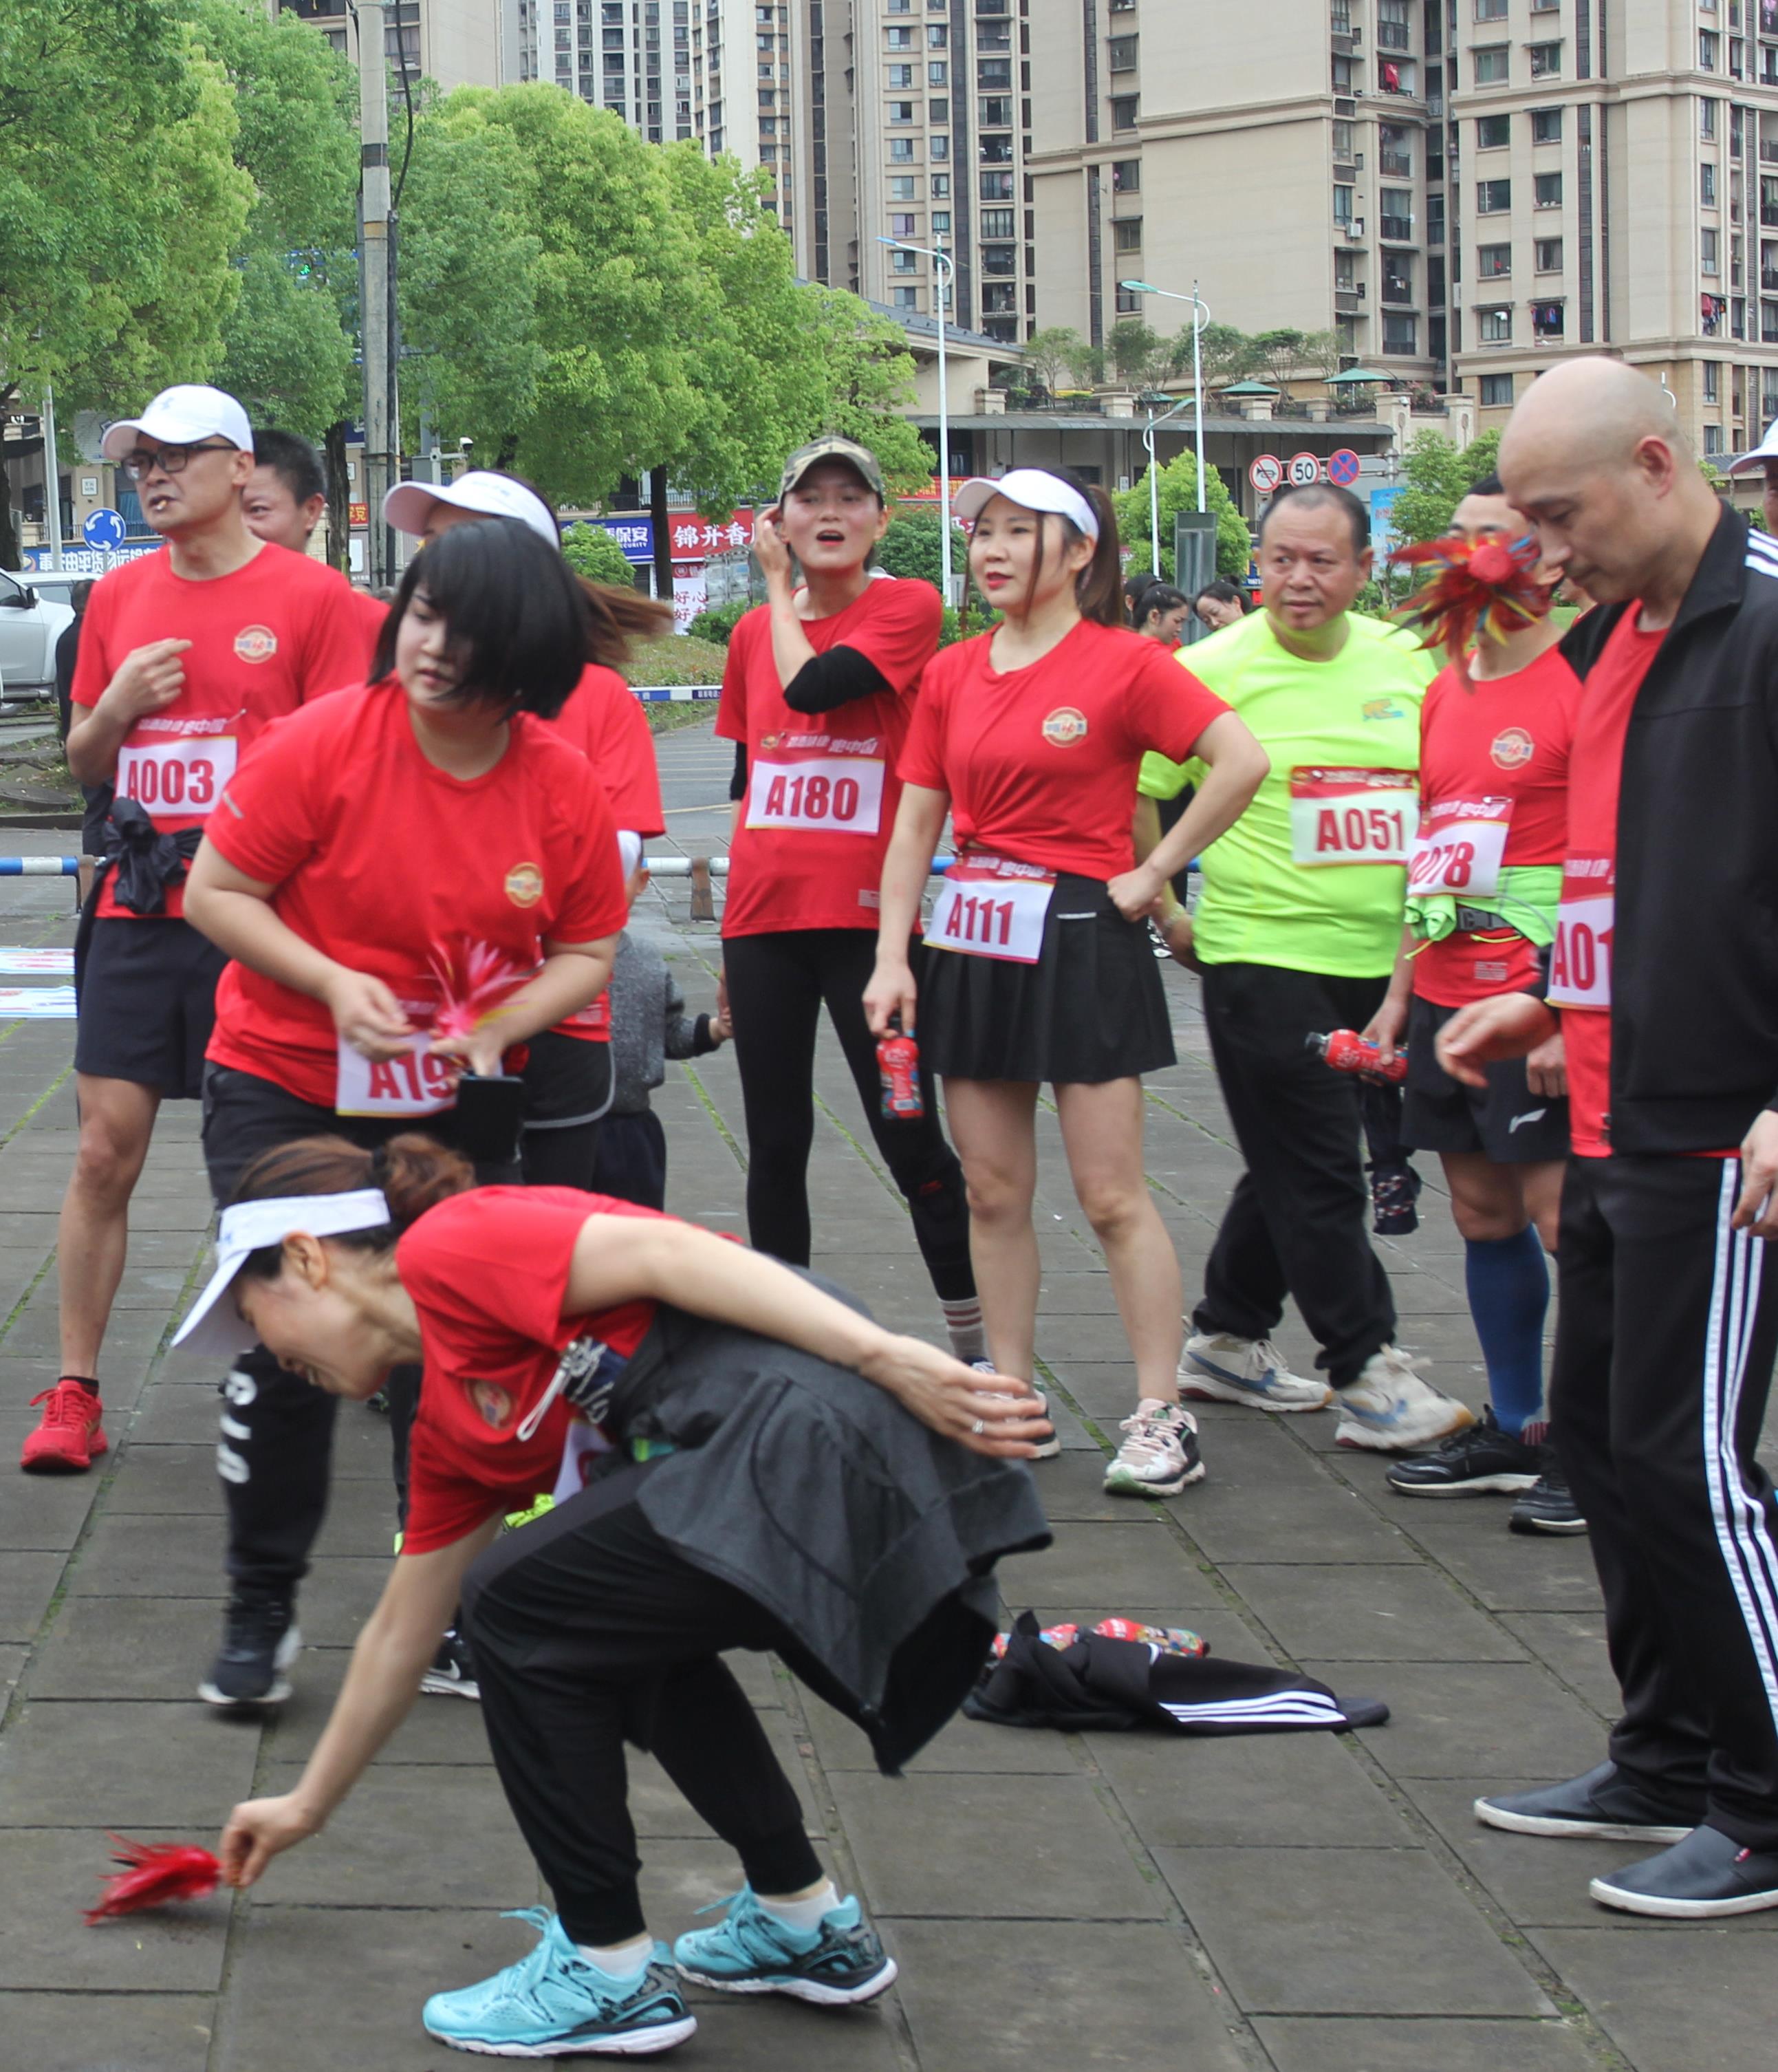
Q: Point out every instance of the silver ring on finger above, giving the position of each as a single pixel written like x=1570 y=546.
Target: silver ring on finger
x=978 y=1428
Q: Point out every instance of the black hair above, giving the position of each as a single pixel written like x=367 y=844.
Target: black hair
x=1490 y=485
x=1099 y=588
x=1220 y=591
x=1158 y=597
x=1319 y=496
x=293 y=461
x=520 y=617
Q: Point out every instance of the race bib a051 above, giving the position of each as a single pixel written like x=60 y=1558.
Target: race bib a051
x=1352 y=815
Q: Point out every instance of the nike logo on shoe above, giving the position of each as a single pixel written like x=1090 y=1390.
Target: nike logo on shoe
x=1533 y=1115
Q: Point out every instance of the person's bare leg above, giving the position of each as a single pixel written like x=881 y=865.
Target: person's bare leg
x=1101 y=1129
x=1541 y=1184
x=993 y=1127
x=117 y=1122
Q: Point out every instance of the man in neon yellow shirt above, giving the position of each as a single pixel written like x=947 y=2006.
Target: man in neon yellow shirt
x=1295 y=934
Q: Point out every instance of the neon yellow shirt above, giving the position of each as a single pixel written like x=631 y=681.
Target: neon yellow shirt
x=1265 y=901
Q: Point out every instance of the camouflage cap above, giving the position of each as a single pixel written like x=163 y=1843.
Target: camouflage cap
x=832 y=445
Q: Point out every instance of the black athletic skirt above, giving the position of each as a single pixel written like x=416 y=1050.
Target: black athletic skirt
x=1092 y=1008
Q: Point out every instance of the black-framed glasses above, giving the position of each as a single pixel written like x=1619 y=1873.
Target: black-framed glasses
x=170 y=460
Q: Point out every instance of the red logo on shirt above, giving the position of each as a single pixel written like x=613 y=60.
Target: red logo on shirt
x=492 y=1401
x=1065 y=727
x=1513 y=748
x=255 y=643
x=524 y=885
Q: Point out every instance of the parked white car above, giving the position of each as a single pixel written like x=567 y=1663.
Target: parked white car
x=30 y=624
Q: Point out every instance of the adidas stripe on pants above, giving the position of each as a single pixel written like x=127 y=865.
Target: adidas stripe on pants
x=1664 y=1346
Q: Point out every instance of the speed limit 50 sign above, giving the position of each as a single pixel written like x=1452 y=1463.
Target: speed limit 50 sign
x=1305 y=468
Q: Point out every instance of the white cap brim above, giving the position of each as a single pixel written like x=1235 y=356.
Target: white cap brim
x=1747 y=463
x=408 y=507
x=213 y=1325
x=1032 y=489
x=181 y=417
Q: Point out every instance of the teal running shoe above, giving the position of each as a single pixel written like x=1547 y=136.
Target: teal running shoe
x=554 y=2003
x=750 y=1950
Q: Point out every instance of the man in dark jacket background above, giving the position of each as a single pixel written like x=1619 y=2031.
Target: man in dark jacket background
x=1664 y=976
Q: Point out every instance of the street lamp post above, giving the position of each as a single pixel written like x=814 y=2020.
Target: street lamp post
x=946 y=269
x=1154 y=484
x=1201 y=316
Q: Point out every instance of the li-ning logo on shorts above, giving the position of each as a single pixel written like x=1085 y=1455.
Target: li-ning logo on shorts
x=1513 y=748
x=1065 y=727
x=524 y=885
x=255 y=643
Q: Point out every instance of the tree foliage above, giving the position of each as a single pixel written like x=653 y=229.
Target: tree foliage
x=590 y=551
x=1437 y=476
x=1175 y=489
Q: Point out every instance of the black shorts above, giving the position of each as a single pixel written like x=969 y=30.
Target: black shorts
x=1091 y=1008
x=567 y=1081
x=1504 y=1120
x=147 y=1003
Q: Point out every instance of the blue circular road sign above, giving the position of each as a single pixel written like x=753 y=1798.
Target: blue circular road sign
x=1343 y=467
x=103 y=529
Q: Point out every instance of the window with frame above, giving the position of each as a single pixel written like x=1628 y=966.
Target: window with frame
x=941 y=223
x=938 y=38
x=1126 y=109
x=1548 y=320
x=1546 y=191
x=1547 y=255
x=1494 y=262
x=1001 y=259
x=1342 y=207
x=999 y=223
x=901 y=111
x=1494 y=326
x=1492 y=65
x=939 y=147
x=1121 y=51
x=894 y=75
x=939 y=110
x=899 y=40
x=1126 y=176
x=1126 y=234
x=1709 y=50
x=1401 y=333
x=1706 y=187
x=1495 y=392
x=1394 y=21
x=1000 y=297
x=1493 y=132
x=1342 y=140
x=1545 y=60
x=995 y=186
x=901 y=149
x=938 y=74
x=941 y=186
x=903 y=226
x=1712 y=381
x=1394 y=151
x=904 y=262
x=1707 y=118
x=901 y=186
x=994 y=75
x=994 y=150
x=1493 y=197
x=995 y=111
x=1490 y=10
x=1708 y=252
x=1713 y=438
x=1546 y=125
x=904 y=298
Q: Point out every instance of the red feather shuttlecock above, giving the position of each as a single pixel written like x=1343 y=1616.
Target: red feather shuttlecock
x=154 y=1873
x=1477 y=589
x=475 y=981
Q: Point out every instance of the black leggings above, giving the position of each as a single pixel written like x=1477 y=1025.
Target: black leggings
x=588 y=1631
x=777 y=986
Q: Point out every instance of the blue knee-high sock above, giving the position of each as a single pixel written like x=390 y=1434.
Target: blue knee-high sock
x=1508 y=1285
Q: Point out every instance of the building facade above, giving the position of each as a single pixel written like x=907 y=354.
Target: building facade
x=456 y=43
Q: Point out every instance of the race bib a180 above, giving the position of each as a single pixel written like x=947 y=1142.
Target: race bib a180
x=811 y=794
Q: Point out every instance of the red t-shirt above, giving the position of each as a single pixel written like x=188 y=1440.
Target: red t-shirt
x=381 y=859
x=822 y=787
x=1595 y=770
x=488 y=1272
x=1504 y=737
x=1041 y=763
x=604 y=719
x=274 y=634
x=372 y=615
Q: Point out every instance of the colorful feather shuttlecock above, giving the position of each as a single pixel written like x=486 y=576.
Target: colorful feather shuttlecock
x=154 y=1873
x=475 y=981
x=1478 y=589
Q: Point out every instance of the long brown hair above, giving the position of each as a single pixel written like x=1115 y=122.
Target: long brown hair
x=415 y=1173
x=1099 y=588
x=616 y=614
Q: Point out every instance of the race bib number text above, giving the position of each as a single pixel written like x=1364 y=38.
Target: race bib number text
x=990 y=906
x=1352 y=815
x=1460 y=846
x=169 y=777
x=411 y=1084
x=831 y=794
x=1580 y=958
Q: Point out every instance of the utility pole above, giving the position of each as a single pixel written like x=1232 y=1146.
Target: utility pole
x=52 y=479
x=375 y=287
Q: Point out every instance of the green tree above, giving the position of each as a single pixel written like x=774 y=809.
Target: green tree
x=1049 y=353
x=1227 y=354
x=1175 y=491
x=1437 y=477
x=1136 y=350
x=590 y=551
x=868 y=383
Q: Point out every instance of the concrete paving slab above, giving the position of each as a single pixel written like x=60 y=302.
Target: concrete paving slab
x=1483 y=1721
x=45 y=1948
x=1346 y=1931
x=108 y=2032
x=144 y=1557
x=45 y=1513
x=173 y=1481
x=1511 y=1571
x=1053 y=1853
x=1573 y=1647
x=1249 y=1519
x=81 y=1763
x=1368 y=1614
x=129 y=1647
x=28 y=1583
x=1697 y=1997
x=1102 y=1569
x=1307 y=2044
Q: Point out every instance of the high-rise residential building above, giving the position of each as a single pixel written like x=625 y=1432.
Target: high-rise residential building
x=1613 y=167
x=456 y=43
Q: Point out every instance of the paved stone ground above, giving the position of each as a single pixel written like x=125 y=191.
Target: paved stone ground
x=1303 y=1904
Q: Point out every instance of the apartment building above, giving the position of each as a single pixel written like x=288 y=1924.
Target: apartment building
x=1613 y=172
x=1288 y=159
x=457 y=43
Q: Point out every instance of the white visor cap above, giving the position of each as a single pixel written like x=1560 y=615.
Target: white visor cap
x=1748 y=464
x=213 y=1325
x=1032 y=489
x=181 y=417
x=489 y=495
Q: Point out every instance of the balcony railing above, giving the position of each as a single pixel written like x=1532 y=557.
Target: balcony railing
x=1396 y=229
x=1395 y=165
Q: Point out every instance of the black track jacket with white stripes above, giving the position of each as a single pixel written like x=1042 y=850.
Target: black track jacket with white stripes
x=1694 y=957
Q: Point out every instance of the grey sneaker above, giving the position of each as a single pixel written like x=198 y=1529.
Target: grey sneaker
x=1389 y=1409
x=1217 y=1367
x=1159 y=1456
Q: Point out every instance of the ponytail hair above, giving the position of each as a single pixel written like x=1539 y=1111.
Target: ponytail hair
x=615 y=616
x=414 y=1173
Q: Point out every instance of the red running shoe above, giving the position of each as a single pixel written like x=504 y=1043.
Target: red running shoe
x=71 y=1435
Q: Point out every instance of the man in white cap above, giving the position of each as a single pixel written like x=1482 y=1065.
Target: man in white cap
x=185 y=655
x=1763 y=462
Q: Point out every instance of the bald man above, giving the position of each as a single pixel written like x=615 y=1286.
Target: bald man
x=1664 y=980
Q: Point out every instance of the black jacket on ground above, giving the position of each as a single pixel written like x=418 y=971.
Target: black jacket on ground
x=1694 y=954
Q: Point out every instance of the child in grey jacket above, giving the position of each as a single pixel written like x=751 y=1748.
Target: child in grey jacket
x=649 y=1024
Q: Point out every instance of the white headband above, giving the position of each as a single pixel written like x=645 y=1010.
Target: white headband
x=1032 y=489
x=215 y=1327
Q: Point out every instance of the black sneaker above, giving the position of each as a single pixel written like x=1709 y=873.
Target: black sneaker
x=1602 y=1804
x=453 y=1671
x=1481 y=1460
x=1707 y=1875
x=259 y=1641
x=1547 y=1506
x=1395 y=1191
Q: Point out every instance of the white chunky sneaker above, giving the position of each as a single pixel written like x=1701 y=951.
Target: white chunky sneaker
x=1048 y=1449
x=1390 y=1409
x=1159 y=1456
x=1217 y=1367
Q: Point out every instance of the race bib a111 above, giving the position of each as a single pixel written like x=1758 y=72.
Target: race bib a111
x=992 y=907
x=1352 y=815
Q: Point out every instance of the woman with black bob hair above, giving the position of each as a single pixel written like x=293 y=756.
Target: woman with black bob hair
x=412 y=879
x=759 y=1465
x=1030 y=737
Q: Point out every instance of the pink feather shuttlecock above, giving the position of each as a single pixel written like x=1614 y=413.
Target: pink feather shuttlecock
x=154 y=1873
x=475 y=981
x=1476 y=589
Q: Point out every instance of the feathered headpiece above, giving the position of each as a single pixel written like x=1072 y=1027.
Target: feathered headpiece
x=1477 y=590
x=474 y=982
x=154 y=1872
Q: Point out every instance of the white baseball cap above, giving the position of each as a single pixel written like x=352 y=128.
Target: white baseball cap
x=491 y=495
x=1033 y=489
x=181 y=417
x=1748 y=464
x=217 y=1328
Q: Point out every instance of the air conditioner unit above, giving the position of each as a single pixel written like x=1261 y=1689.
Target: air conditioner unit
x=1357 y=160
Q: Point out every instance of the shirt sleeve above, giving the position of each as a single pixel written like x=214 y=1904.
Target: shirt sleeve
x=92 y=658
x=514 y=1254
x=898 y=634
x=1166 y=707
x=732 y=706
x=333 y=657
x=593 y=905
x=923 y=759
x=442 y=1507
x=624 y=763
x=266 y=823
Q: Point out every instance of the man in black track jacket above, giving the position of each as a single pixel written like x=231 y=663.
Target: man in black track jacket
x=1664 y=975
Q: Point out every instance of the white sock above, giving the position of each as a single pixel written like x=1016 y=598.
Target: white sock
x=804 y=1915
x=621 y=1960
x=964 y=1322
